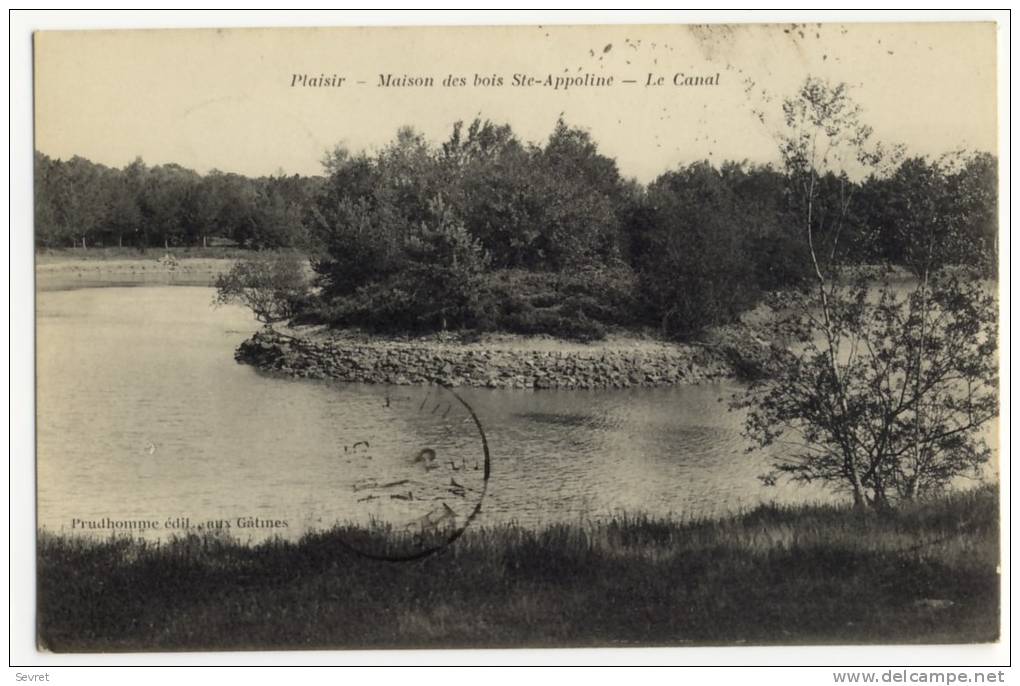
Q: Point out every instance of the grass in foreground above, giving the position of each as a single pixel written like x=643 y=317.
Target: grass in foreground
x=925 y=574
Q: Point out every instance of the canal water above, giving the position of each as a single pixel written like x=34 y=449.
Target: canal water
x=144 y=416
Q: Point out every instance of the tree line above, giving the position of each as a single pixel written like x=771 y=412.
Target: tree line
x=81 y=204
x=485 y=231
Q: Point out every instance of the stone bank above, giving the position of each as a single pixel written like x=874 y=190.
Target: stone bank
x=488 y=366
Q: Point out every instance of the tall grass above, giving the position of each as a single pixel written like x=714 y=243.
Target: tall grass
x=926 y=573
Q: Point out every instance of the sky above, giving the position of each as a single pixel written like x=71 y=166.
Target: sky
x=224 y=99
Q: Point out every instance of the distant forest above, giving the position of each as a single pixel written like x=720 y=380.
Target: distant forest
x=486 y=231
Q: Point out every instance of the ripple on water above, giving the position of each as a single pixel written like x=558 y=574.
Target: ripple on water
x=143 y=413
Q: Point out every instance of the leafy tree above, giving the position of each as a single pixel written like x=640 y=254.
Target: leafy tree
x=975 y=187
x=203 y=204
x=163 y=202
x=695 y=269
x=367 y=210
x=437 y=286
x=489 y=181
x=236 y=217
x=356 y=245
x=443 y=272
x=409 y=179
x=887 y=394
x=270 y=286
x=580 y=194
x=81 y=202
x=124 y=212
x=916 y=380
x=46 y=219
x=280 y=203
x=955 y=213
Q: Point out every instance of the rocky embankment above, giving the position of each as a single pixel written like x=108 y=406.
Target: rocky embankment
x=619 y=364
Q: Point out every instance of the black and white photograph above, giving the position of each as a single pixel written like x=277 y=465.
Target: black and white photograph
x=517 y=336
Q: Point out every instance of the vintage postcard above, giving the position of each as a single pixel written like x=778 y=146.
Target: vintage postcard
x=517 y=336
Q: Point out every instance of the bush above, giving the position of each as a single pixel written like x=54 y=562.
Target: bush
x=272 y=287
x=578 y=305
x=780 y=262
x=552 y=322
x=913 y=399
x=694 y=257
x=688 y=291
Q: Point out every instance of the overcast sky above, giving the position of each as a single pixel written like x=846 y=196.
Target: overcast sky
x=225 y=100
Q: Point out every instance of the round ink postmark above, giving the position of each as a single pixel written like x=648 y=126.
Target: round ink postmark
x=419 y=484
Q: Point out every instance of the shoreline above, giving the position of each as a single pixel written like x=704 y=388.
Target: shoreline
x=54 y=273
x=499 y=362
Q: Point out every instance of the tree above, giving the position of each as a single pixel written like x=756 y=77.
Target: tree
x=695 y=268
x=123 y=212
x=47 y=214
x=489 y=178
x=975 y=187
x=81 y=199
x=579 y=195
x=236 y=216
x=203 y=204
x=366 y=211
x=356 y=244
x=916 y=379
x=280 y=202
x=163 y=201
x=443 y=271
x=270 y=287
x=888 y=393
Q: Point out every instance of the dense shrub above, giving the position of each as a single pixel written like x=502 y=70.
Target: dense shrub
x=575 y=305
x=780 y=261
x=696 y=264
x=554 y=322
x=580 y=304
x=272 y=286
x=436 y=288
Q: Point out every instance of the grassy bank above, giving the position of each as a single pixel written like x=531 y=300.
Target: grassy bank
x=925 y=574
